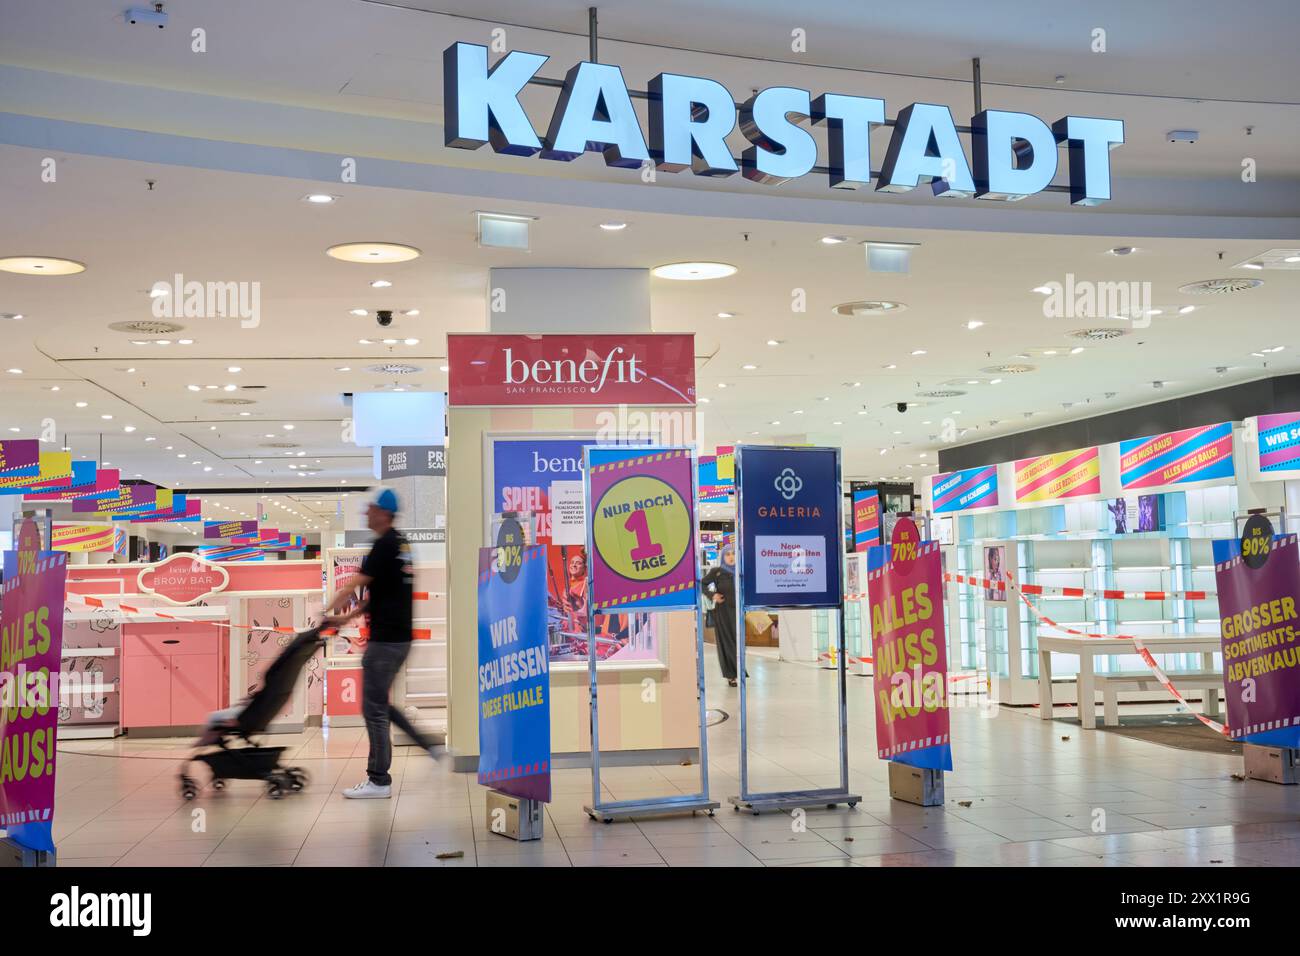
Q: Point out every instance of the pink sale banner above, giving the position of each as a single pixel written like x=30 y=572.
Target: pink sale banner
x=905 y=592
x=31 y=645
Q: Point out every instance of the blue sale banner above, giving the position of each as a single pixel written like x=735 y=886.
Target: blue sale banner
x=791 y=541
x=969 y=488
x=514 y=719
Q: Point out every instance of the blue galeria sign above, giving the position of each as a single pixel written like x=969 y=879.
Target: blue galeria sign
x=791 y=544
x=514 y=687
x=1013 y=155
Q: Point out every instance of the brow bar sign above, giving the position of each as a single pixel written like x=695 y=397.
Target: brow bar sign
x=1013 y=155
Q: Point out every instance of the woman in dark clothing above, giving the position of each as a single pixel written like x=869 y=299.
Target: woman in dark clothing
x=719 y=587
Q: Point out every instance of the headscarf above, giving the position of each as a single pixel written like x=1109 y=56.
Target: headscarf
x=728 y=548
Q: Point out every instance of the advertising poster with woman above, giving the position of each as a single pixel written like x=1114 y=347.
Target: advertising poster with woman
x=523 y=473
x=995 y=558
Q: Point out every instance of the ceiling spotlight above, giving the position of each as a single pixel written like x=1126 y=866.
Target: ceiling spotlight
x=891 y=365
x=834 y=240
x=15 y=371
x=1044 y=290
x=410 y=312
x=180 y=342
x=1252 y=265
x=1186 y=309
x=234 y=369
x=344 y=368
x=918 y=351
x=694 y=271
x=287 y=427
x=128 y=428
x=973 y=324
x=381 y=284
x=411 y=341
x=358 y=312
x=373 y=252
x=1076 y=350
x=41 y=266
x=773 y=341
x=107 y=418
x=319 y=199
x=726 y=315
x=613 y=226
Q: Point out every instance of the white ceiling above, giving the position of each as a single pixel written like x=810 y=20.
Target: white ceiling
x=76 y=62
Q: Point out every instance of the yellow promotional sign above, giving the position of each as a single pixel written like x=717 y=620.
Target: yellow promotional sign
x=53 y=466
x=1066 y=474
x=83 y=537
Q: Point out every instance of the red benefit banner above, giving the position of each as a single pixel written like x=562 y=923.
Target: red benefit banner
x=31 y=645
x=905 y=591
x=640 y=506
x=571 y=369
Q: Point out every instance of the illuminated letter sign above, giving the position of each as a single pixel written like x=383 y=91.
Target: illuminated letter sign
x=690 y=117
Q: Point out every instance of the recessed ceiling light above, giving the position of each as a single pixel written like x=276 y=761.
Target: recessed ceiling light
x=1049 y=351
x=1122 y=251
x=723 y=385
x=411 y=312
x=411 y=341
x=918 y=351
x=15 y=429
x=344 y=368
x=995 y=381
x=749 y=368
x=443 y=368
x=234 y=369
x=180 y=342
x=973 y=324
x=692 y=271
x=15 y=371
x=128 y=428
x=390 y=341
x=16 y=316
x=107 y=418
x=41 y=266
x=228 y=388
x=211 y=387
x=773 y=341
x=1044 y=290
x=726 y=315
x=151 y=438
x=381 y=284
x=358 y=312
x=287 y=427
x=777 y=422
x=867 y=307
x=373 y=252
x=834 y=240
x=613 y=226
x=705 y=399
x=1076 y=350
x=837 y=423
x=319 y=199
x=1252 y=265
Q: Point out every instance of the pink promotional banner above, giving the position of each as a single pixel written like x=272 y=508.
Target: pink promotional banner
x=192 y=511
x=910 y=660
x=1259 y=625
x=228 y=529
x=20 y=456
x=641 y=521
x=31 y=647
x=105 y=485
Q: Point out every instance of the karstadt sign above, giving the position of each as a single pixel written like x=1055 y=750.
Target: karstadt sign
x=1013 y=155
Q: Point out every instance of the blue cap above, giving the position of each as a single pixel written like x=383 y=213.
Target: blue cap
x=387 y=501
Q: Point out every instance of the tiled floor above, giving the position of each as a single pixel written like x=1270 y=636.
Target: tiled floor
x=1021 y=794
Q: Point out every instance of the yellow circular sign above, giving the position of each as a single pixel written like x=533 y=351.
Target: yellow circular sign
x=641 y=528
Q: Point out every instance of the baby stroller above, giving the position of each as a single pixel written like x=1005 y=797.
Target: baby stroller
x=251 y=762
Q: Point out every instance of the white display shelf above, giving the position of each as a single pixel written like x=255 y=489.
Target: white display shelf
x=89 y=652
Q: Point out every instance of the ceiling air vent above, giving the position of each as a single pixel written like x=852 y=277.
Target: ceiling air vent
x=1010 y=368
x=279 y=444
x=147 y=327
x=868 y=307
x=1099 y=334
x=394 y=368
x=1220 y=286
x=941 y=393
x=229 y=401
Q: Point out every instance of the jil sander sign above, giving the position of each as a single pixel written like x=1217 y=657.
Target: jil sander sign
x=1013 y=155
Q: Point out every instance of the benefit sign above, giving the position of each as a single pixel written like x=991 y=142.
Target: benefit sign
x=905 y=590
x=31 y=644
x=1258 y=580
x=641 y=512
x=514 y=682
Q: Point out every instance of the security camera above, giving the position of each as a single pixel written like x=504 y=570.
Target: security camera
x=384 y=317
x=902 y=407
x=155 y=16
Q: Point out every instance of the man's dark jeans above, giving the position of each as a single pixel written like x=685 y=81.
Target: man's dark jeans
x=379 y=666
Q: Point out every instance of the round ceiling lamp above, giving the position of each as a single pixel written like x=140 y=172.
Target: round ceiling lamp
x=41 y=266
x=373 y=252
x=694 y=271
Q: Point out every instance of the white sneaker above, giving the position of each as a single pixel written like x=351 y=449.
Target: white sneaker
x=367 y=790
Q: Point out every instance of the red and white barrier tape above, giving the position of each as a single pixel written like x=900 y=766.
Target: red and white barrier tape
x=1104 y=593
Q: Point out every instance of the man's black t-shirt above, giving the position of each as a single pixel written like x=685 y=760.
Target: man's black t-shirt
x=388 y=565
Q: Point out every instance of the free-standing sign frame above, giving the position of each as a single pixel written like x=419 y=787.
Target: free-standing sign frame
x=608 y=811
x=789 y=799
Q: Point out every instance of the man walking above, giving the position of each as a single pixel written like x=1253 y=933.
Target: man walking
x=386 y=573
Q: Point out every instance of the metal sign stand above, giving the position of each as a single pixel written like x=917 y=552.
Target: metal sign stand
x=608 y=811
x=787 y=799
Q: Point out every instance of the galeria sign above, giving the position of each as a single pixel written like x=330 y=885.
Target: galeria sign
x=1014 y=155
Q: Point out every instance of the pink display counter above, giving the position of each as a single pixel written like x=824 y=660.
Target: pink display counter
x=163 y=677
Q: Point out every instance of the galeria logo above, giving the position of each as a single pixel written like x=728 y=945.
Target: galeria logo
x=590 y=372
x=76 y=909
x=788 y=483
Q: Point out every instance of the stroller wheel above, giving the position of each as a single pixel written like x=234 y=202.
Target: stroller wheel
x=189 y=789
x=297 y=778
x=274 y=790
x=218 y=784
